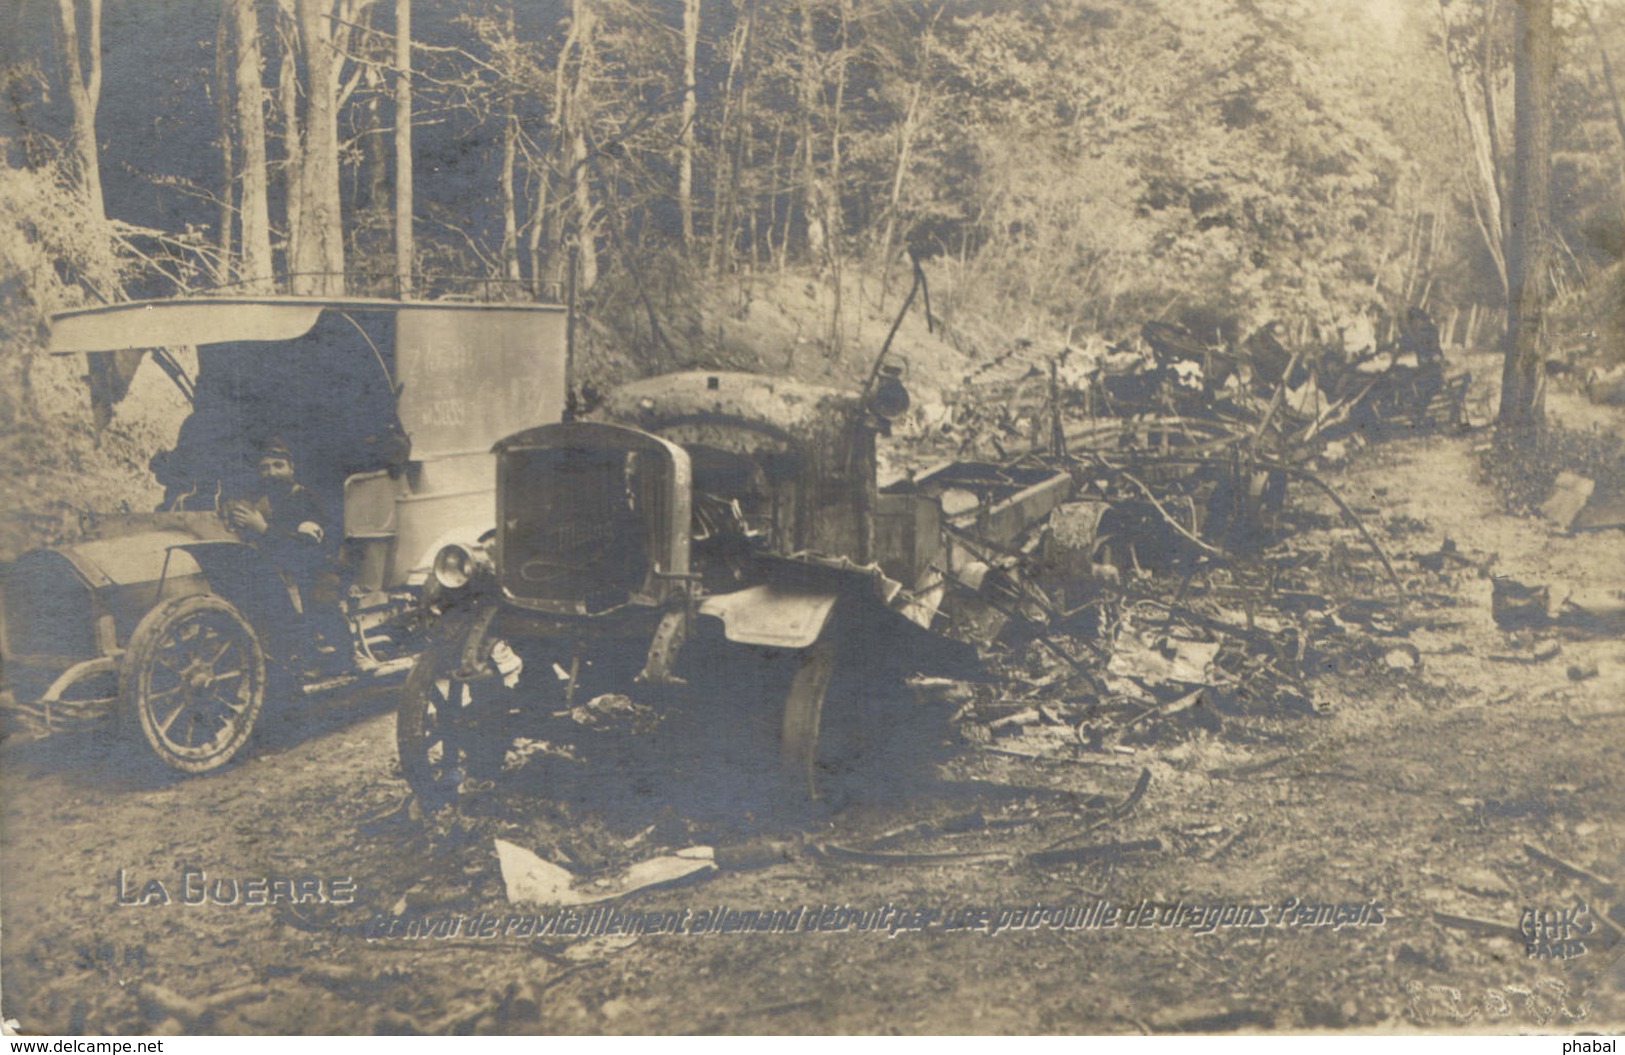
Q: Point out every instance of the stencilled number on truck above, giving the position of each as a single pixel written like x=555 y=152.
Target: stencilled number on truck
x=446 y=412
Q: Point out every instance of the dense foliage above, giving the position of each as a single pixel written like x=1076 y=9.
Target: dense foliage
x=1067 y=164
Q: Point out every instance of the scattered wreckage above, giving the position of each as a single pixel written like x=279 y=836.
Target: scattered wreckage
x=1176 y=388
x=705 y=524
x=181 y=624
x=1200 y=599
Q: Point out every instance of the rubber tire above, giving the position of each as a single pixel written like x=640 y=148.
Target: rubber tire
x=836 y=724
x=800 y=734
x=140 y=661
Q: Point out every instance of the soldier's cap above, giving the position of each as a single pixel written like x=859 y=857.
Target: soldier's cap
x=275 y=448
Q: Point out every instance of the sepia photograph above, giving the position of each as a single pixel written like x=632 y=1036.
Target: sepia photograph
x=904 y=517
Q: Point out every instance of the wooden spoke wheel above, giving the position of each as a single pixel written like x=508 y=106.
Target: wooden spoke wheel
x=193 y=681
x=428 y=725
x=449 y=729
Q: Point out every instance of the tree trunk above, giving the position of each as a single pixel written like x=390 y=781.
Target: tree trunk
x=510 y=204
x=371 y=194
x=510 y=160
x=84 y=93
x=1608 y=77
x=544 y=284
x=743 y=139
x=1492 y=119
x=811 y=82
x=1486 y=194
x=791 y=166
x=293 y=139
x=405 y=244
x=685 y=162
x=586 y=222
x=771 y=206
x=318 y=264
x=583 y=22
x=721 y=185
x=1607 y=73
x=228 y=176
x=1522 y=387
x=735 y=123
x=254 y=210
x=569 y=90
x=834 y=219
x=109 y=373
x=905 y=146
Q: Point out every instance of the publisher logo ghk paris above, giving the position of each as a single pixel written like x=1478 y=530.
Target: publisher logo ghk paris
x=1556 y=934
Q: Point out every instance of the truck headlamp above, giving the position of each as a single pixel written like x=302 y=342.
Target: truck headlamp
x=455 y=566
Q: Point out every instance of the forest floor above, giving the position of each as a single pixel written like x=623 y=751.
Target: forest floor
x=1413 y=791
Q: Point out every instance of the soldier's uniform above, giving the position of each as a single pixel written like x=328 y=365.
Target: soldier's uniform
x=296 y=541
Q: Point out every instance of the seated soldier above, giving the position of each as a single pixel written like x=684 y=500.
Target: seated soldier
x=1420 y=337
x=284 y=519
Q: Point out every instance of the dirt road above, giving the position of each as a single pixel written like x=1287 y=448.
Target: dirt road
x=1295 y=863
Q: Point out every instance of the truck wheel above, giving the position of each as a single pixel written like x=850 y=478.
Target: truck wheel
x=436 y=734
x=430 y=760
x=803 y=715
x=193 y=681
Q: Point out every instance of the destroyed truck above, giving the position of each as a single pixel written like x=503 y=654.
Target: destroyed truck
x=709 y=529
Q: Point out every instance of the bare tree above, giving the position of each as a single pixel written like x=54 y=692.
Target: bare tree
x=223 y=61
x=109 y=372
x=254 y=204
x=1522 y=388
x=572 y=78
x=317 y=264
x=685 y=162
x=1607 y=73
x=509 y=191
x=915 y=70
x=834 y=221
x=510 y=151
x=1475 y=91
x=405 y=246
x=84 y=94
x=321 y=31
x=733 y=135
x=293 y=153
x=811 y=85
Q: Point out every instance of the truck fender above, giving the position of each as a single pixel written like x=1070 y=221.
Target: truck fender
x=772 y=615
x=242 y=575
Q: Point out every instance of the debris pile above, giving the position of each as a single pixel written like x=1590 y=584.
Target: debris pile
x=1173 y=588
x=1179 y=391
